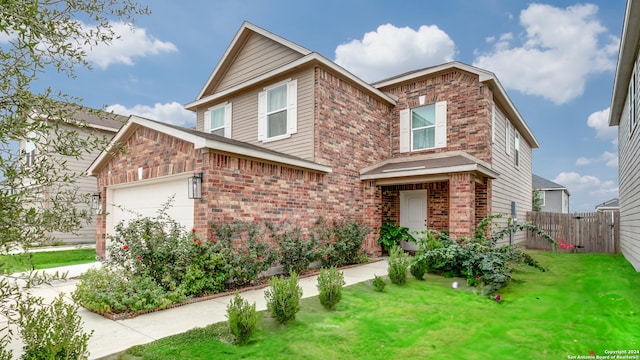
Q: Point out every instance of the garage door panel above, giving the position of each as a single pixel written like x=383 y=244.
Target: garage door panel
x=146 y=199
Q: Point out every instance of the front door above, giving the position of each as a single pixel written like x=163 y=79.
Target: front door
x=413 y=211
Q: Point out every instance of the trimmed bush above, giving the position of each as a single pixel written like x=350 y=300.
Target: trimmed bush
x=52 y=331
x=283 y=297
x=378 y=283
x=342 y=242
x=398 y=263
x=297 y=252
x=112 y=291
x=243 y=319
x=330 y=283
x=418 y=268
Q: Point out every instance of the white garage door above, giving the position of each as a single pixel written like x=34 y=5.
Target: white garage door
x=145 y=198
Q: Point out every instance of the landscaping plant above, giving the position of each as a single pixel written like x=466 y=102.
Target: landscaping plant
x=297 y=251
x=283 y=297
x=52 y=331
x=391 y=234
x=378 y=283
x=330 y=283
x=245 y=247
x=243 y=319
x=342 y=242
x=398 y=263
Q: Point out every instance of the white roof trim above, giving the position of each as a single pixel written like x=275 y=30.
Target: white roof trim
x=201 y=142
x=433 y=171
x=266 y=76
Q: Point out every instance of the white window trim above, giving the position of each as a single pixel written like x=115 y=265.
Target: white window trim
x=543 y=196
x=406 y=132
x=292 y=111
x=227 y=119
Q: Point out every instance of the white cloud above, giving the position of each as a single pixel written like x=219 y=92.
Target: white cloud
x=172 y=113
x=132 y=42
x=608 y=158
x=599 y=121
x=558 y=51
x=592 y=185
x=392 y=50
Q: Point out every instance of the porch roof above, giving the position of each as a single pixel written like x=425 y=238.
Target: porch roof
x=426 y=167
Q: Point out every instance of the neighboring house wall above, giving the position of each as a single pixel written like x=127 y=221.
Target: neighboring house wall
x=555 y=201
x=625 y=113
x=83 y=185
x=514 y=182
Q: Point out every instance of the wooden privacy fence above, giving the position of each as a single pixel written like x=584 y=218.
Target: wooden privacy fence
x=597 y=232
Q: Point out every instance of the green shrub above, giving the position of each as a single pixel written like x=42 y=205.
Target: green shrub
x=283 y=297
x=106 y=290
x=342 y=242
x=378 y=283
x=418 y=268
x=330 y=283
x=296 y=251
x=52 y=331
x=398 y=263
x=243 y=319
x=391 y=235
x=245 y=248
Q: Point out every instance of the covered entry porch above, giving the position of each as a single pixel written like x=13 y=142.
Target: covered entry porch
x=447 y=191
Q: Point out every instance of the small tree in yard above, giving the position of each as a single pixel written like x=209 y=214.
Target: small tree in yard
x=38 y=37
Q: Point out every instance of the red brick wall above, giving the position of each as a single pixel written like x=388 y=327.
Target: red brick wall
x=352 y=132
x=461 y=204
x=468 y=111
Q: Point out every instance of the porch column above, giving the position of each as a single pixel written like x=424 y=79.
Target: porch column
x=372 y=216
x=462 y=204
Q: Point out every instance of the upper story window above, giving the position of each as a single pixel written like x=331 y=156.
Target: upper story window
x=424 y=127
x=277 y=111
x=507 y=137
x=217 y=120
x=30 y=150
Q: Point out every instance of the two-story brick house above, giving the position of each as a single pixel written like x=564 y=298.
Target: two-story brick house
x=285 y=134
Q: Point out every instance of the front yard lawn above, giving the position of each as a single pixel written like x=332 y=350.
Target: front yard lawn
x=586 y=304
x=45 y=259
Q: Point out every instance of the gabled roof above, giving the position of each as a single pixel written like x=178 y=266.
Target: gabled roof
x=628 y=49
x=200 y=140
x=79 y=115
x=307 y=57
x=485 y=76
x=540 y=183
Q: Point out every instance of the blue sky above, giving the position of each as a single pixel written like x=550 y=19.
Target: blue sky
x=556 y=60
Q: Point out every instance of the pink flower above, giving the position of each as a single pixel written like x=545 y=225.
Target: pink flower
x=193 y=231
x=139 y=258
x=199 y=242
x=498 y=298
x=478 y=277
x=591 y=352
x=125 y=247
x=255 y=219
x=212 y=240
x=332 y=242
x=257 y=241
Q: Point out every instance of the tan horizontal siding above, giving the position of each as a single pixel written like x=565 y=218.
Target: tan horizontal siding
x=258 y=56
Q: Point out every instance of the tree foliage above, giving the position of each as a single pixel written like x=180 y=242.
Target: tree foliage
x=52 y=37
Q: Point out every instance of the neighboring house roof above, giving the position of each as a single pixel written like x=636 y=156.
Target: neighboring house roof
x=626 y=58
x=306 y=57
x=613 y=204
x=201 y=139
x=97 y=119
x=540 y=183
x=431 y=164
x=486 y=77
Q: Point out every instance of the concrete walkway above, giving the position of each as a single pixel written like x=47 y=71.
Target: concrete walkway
x=114 y=336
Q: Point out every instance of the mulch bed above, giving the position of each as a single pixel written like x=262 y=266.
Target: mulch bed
x=255 y=285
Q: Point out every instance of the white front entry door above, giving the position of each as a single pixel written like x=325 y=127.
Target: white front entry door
x=413 y=210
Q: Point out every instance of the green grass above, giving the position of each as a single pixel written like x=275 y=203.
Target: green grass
x=45 y=260
x=584 y=302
